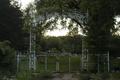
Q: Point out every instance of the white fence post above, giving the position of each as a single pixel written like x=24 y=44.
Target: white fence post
x=46 y=62
x=108 y=62
x=69 y=64
x=57 y=63
x=18 y=61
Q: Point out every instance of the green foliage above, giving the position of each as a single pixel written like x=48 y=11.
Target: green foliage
x=84 y=77
x=75 y=63
x=114 y=76
x=24 y=75
x=51 y=64
x=6 y=54
x=93 y=64
x=96 y=76
x=7 y=73
x=11 y=22
x=61 y=7
x=46 y=75
x=100 y=27
x=114 y=63
x=51 y=43
x=6 y=59
x=73 y=44
x=42 y=76
x=114 y=50
x=105 y=75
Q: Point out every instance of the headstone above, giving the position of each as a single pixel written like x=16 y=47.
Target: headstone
x=112 y=71
x=4 y=78
x=117 y=71
x=56 y=74
x=77 y=73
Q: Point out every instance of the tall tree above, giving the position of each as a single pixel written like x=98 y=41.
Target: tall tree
x=115 y=45
x=11 y=22
x=100 y=25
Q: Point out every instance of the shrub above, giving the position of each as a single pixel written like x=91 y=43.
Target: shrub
x=84 y=77
x=115 y=64
x=105 y=75
x=115 y=75
x=46 y=75
x=24 y=75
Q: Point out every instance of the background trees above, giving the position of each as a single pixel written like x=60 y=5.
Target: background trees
x=115 y=45
x=11 y=34
x=62 y=44
x=100 y=25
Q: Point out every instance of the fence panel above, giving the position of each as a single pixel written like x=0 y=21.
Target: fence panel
x=50 y=63
x=64 y=64
x=75 y=63
x=40 y=63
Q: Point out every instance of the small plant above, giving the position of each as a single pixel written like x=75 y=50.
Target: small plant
x=115 y=75
x=96 y=76
x=24 y=75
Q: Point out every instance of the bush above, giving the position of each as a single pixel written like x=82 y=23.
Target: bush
x=6 y=55
x=114 y=64
x=24 y=75
x=105 y=75
x=115 y=75
x=46 y=75
x=84 y=77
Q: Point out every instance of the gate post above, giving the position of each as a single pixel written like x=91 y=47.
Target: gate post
x=108 y=62
x=18 y=61
x=46 y=63
x=69 y=63
x=57 y=63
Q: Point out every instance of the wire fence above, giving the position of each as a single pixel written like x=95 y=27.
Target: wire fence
x=51 y=63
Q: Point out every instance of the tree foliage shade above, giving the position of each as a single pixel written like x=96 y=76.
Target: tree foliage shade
x=11 y=22
x=100 y=24
x=6 y=54
x=101 y=20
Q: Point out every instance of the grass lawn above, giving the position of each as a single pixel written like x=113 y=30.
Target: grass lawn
x=51 y=64
x=75 y=63
x=64 y=64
